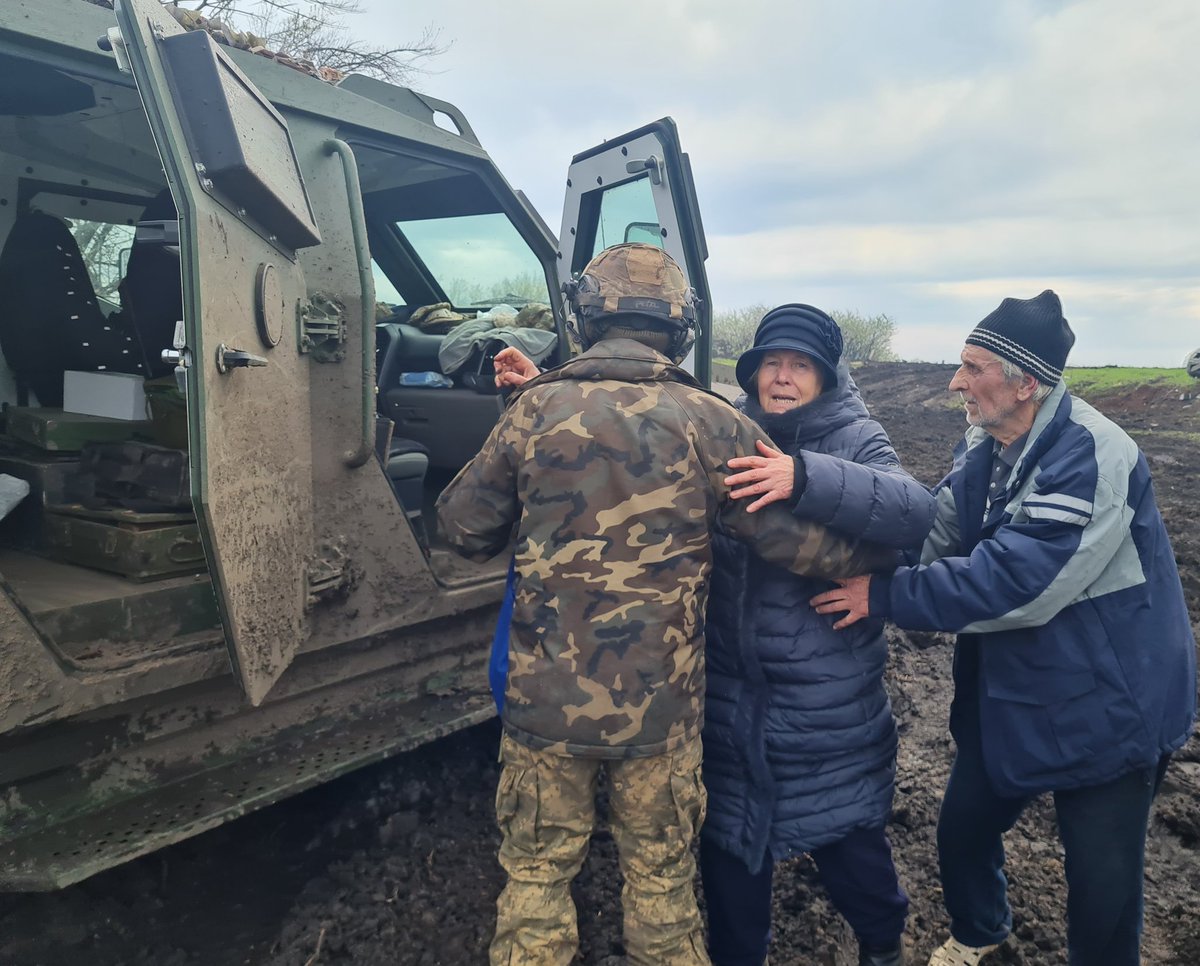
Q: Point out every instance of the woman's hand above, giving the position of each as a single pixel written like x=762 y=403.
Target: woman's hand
x=852 y=597
x=770 y=477
x=513 y=367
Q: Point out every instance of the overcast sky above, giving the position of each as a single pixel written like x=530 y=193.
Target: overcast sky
x=922 y=159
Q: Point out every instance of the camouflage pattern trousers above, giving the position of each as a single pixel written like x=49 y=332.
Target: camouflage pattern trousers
x=546 y=809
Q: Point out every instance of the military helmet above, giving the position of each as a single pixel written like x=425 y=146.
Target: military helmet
x=634 y=291
x=1192 y=364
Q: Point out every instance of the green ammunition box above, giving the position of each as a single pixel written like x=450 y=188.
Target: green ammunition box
x=168 y=413
x=47 y=475
x=140 y=546
x=55 y=430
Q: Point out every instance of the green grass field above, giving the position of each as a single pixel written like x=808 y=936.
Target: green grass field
x=1084 y=381
x=1109 y=378
x=722 y=371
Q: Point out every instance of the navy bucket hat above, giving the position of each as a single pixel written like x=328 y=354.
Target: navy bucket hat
x=800 y=328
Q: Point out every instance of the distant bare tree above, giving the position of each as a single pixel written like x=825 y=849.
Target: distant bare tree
x=733 y=330
x=101 y=244
x=516 y=290
x=316 y=31
x=866 y=338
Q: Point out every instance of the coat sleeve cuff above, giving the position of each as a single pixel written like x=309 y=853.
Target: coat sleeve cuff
x=799 y=477
x=879 y=595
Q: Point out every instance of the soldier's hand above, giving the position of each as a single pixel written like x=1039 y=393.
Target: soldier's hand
x=770 y=476
x=513 y=367
x=853 y=597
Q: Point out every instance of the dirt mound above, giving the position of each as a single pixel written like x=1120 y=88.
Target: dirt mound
x=396 y=864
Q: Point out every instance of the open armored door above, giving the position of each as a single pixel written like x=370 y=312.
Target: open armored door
x=638 y=188
x=243 y=213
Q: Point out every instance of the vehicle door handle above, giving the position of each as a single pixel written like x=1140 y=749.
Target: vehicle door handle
x=228 y=358
x=411 y=416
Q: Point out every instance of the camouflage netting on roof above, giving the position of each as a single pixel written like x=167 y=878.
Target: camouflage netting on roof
x=224 y=34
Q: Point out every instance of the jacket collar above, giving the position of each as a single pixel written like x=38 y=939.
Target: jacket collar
x=622 y=359
x=1054 y=411
x=977 y=450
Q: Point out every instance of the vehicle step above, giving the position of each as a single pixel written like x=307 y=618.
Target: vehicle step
x=51 y=857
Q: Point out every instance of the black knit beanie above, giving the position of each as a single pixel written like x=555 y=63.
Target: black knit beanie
x=1030 y=333
x=801 y=328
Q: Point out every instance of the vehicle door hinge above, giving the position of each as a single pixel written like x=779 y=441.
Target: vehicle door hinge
x=651 y=164
x=114 y=40
x=322 y=324
x=330 y=575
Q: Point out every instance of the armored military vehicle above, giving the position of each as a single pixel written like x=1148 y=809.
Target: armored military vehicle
x=238 y=592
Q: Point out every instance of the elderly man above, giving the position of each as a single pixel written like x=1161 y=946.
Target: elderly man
x=1075 y=665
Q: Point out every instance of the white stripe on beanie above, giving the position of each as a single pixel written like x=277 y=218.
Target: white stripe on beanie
x=1015 y=352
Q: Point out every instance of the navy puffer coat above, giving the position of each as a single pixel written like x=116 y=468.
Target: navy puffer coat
x=799 y=740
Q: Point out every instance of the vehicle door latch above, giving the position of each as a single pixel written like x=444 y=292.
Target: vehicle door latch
x=179 y=356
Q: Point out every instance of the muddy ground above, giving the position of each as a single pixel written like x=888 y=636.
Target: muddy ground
x=395 y=865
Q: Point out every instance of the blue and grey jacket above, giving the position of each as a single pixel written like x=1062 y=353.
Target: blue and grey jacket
x=1075 y=658
x=799 y=740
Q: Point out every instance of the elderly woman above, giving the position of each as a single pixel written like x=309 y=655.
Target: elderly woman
x=799 y=740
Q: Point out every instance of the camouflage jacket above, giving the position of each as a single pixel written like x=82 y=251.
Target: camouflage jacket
x=612 y=468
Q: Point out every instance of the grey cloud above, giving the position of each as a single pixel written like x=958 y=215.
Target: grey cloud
x=864 y=125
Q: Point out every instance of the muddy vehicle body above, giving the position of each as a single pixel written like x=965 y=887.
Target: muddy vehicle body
x=265 y=238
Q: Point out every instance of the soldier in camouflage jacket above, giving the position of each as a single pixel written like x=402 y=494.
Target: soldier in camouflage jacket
x=611 y=470
x=612 y=467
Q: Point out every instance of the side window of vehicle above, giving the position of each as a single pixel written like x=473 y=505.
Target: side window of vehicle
x=627 y=215
x=105 y=250
x=385 y=291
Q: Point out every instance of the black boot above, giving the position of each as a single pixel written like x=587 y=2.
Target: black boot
x=881 y=955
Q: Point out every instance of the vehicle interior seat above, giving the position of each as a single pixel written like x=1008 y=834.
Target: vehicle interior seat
x=152 y=289
x=415 y=351
x=51 y=321
x=406 y=466
x=450 y=423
